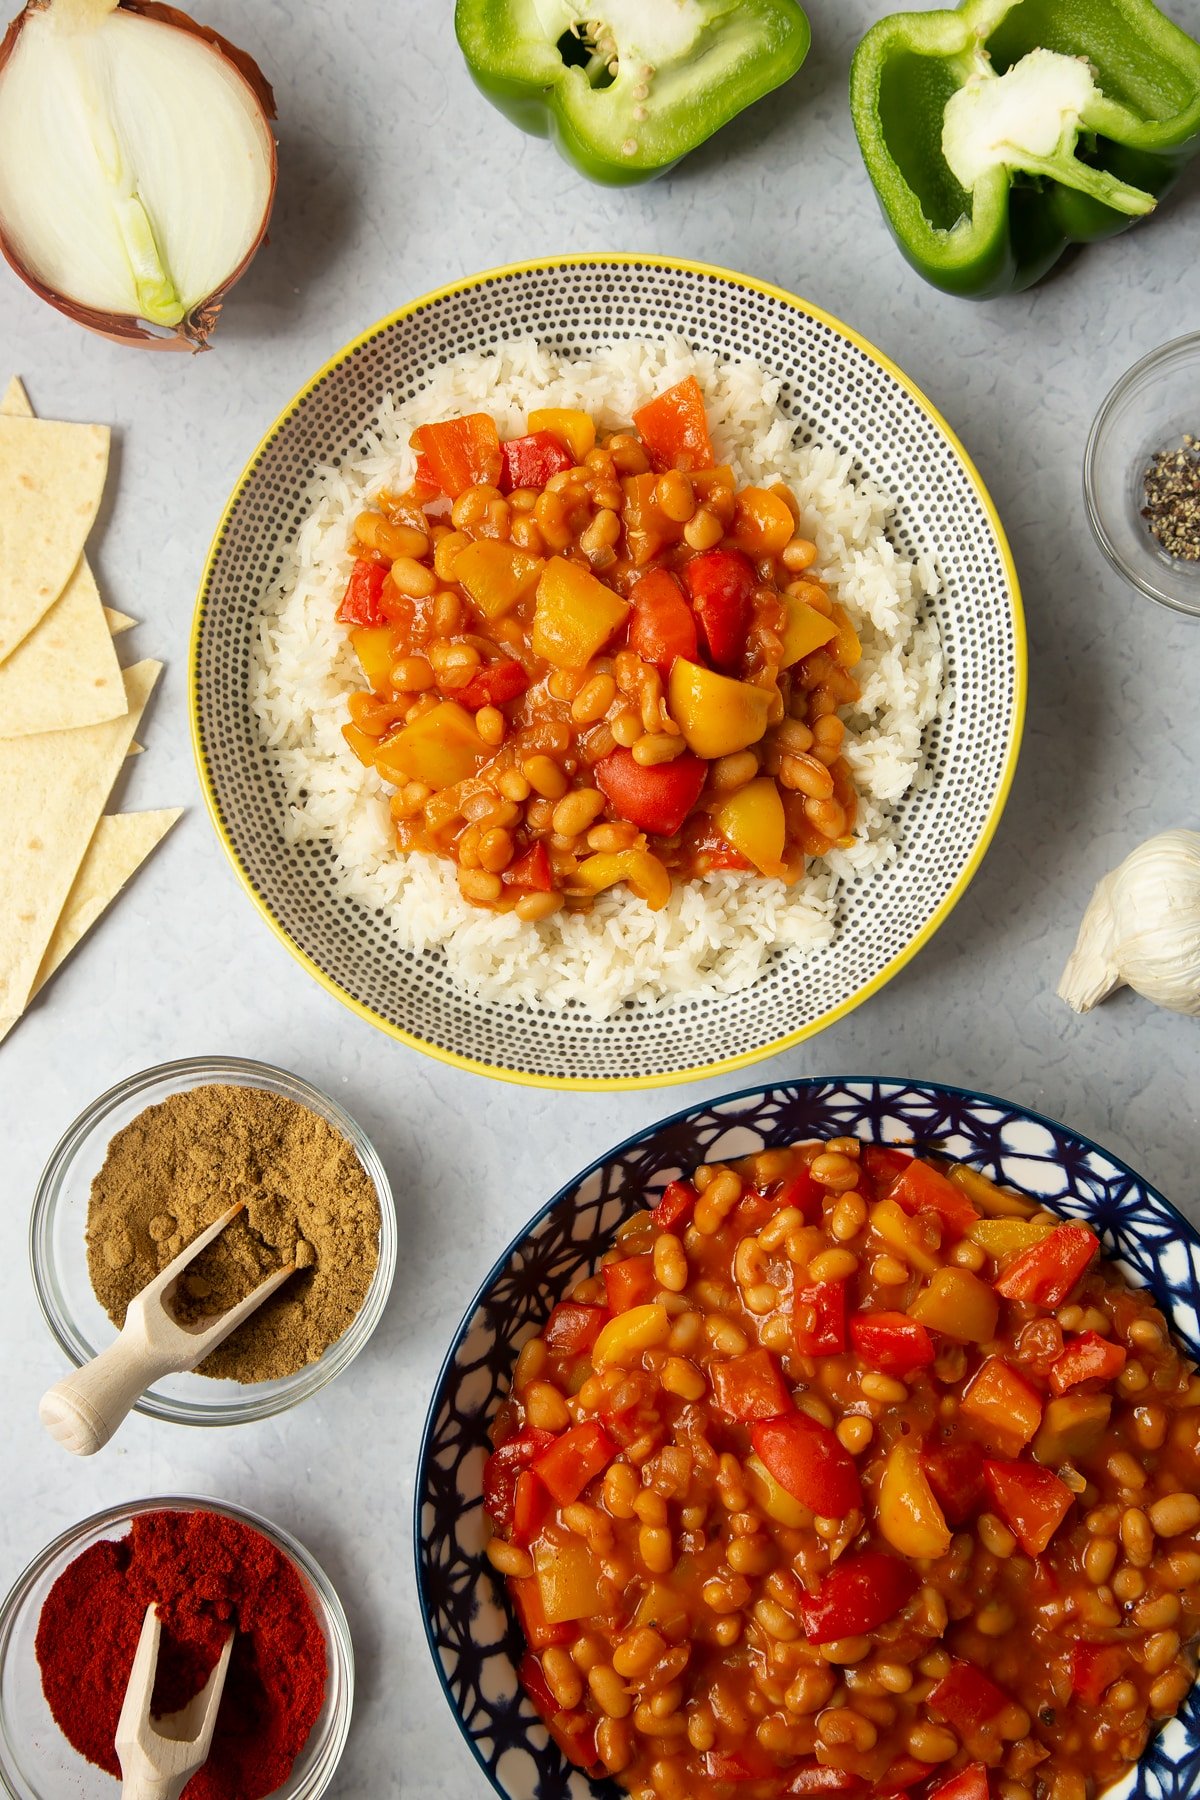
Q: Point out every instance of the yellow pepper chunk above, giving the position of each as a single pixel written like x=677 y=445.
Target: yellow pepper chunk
x=374 y=648
x=496 y=576
x=752 y=820
x=909 y=1516
x=662 y=1608
x=775 y=1501
x=623 y=1339
x=959 y=1305
x=577 y=430
x=716 y=714
x=568 y=1578
x=644 y=873
x=901 y=1233
x=806 y=630
x=364 y=746
x=1071 y=1427
x=439 y=748
x=1000 y=1237
x=575 y=614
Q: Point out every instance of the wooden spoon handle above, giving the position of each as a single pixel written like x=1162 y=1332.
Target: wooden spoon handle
x=84 y=1409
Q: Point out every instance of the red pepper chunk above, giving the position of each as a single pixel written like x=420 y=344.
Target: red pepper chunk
x=629 y=1283
x=721 y=584
x=750 y=1386
x=1031 y=1500
x=674 y=428
x=577 y=1741
x=819 y=1318
x=720 y=853
x=891 y=1342
x=858 y=1594
x=361 y=601
x=884 y=1165
x=656 y=799
x=966 y=1697
x=458 y=453
x=532 y=870
x=970 y=1783
x=803 y=1191
x=661 y=625
x=1088 y=1357
x=526 y=1597
x=1002 y=1404
x=493 y=685
x=1095 y=1667
x=503 y=1468
x=906 y=1772
x=806 y=1458
x=676 y=1206
x=531 y=1509
x=921 y=1188
x=817 y=1778
x=574 y=1459
x=573 y=1327
x=747 y=1764
x=1045 y=1274
x=529 y=462
x=955 y=1473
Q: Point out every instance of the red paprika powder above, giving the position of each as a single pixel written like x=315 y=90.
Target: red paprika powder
x=205 y=1572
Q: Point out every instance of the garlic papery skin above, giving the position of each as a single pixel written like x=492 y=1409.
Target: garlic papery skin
x=1142 y=929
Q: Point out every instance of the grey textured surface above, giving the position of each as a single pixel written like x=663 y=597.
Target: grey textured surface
x=395 y=177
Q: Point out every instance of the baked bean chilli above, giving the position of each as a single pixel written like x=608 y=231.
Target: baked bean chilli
x=598 y=662
x=850 y=1473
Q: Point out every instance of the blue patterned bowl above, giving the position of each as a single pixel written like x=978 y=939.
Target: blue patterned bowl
x=474 y=1639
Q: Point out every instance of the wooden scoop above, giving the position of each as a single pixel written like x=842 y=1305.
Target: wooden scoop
x=159 y=1757
x=84 y=1409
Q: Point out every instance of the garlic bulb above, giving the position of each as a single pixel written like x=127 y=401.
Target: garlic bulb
x=1142 y=929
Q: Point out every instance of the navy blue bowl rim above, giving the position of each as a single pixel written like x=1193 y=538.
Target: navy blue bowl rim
x=759 y=1093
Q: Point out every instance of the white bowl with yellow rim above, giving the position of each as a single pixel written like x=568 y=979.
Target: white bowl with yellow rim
x=840 y=391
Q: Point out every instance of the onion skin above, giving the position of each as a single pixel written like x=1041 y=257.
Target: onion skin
x=196 y=327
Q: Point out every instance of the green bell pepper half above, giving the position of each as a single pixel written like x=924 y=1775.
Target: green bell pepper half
x=1008 y=230
x=625 y=88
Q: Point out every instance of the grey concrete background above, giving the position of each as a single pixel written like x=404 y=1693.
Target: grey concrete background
x=396 y=176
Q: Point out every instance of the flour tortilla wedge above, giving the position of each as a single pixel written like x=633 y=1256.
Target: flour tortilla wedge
x=118 y=622
x=15 y=402
x=52 y=791
x=121 y=843
x=65 y=672
x=51 y=480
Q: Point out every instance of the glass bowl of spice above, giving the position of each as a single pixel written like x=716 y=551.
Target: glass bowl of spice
x=69 y=1628
x=1141 y=475
x=154 y=1160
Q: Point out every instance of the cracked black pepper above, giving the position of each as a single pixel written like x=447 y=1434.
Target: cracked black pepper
x=1172 y=493
x=308 y=1200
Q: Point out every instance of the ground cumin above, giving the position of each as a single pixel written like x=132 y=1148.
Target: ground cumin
x=308 y=1200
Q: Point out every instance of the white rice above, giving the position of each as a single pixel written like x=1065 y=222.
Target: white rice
x=715 y=936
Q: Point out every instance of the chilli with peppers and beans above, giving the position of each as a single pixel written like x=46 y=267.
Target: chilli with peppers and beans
x=595 y=663
x=851 y=1473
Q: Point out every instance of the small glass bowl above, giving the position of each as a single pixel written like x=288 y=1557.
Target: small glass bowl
x=37 y=1762
x=58 y=1251
x=1151 y=408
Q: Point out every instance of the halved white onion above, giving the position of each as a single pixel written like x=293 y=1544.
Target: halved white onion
x=137 y=165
